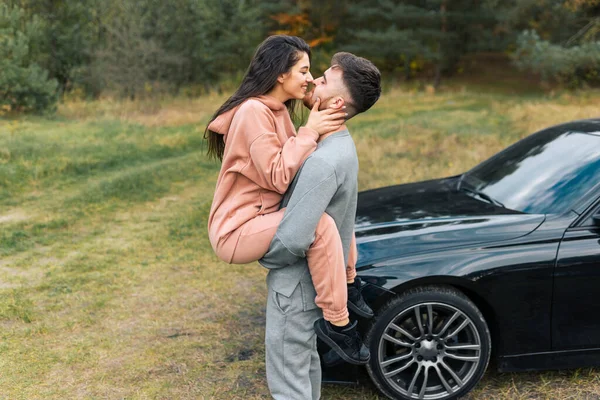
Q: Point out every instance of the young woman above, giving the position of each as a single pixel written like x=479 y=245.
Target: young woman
x=253 y=134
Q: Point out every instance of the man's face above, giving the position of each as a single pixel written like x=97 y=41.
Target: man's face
x=327 y=88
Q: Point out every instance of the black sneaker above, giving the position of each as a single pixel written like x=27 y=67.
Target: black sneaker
x=346 y=343
x=331 y=359
x=356 y=303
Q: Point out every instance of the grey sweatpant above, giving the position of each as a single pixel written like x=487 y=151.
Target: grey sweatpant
x=293 y=368
x=326 y=183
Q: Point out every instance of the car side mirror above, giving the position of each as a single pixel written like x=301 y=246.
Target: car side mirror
x=596 y=219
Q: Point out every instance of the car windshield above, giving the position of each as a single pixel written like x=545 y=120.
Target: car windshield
x=545 y=173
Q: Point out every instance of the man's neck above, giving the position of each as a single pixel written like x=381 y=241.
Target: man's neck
x=326 y=135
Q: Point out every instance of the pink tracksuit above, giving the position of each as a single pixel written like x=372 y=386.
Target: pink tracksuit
x=262 y=155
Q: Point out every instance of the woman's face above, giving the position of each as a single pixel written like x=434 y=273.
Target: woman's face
x=295 y=83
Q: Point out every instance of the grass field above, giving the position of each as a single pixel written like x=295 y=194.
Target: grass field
x=108 y=286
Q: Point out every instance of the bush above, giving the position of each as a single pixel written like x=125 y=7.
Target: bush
x=574 y=65
x=24 y=85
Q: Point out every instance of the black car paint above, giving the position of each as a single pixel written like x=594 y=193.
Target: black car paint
x=428 y=216
x=577 y=279
x=574 y=334
x=505 y=258
x=524 y=272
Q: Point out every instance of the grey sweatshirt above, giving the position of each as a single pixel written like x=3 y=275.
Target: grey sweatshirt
x=327 y=182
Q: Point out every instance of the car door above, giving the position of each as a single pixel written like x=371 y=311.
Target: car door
x=576 y=300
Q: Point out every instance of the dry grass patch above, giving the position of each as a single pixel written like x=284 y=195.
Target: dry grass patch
x=421 y=156
x=15 y=215
x=154 y=112
x=118 y=334
x=532 y=116
x=111 y=289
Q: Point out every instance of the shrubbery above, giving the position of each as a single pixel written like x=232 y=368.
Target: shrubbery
x=573 y=66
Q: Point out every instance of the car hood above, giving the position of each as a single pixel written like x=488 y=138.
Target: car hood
x=425 y=216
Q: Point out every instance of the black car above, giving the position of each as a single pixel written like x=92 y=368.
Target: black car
x=501 y=263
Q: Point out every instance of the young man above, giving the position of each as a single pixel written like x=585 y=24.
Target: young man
x=326 y=183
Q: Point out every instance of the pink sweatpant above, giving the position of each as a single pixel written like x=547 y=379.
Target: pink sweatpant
x=325 y=258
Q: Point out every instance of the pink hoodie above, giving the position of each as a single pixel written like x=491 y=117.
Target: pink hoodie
x=262 y=155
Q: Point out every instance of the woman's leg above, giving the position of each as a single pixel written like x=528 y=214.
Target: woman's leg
x=250 y=241
x=326 y=264
x=325 y=259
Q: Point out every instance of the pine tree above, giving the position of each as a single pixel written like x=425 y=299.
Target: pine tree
x=212 y=39
x=68 y=35
x=24 y=85
x=396 y=33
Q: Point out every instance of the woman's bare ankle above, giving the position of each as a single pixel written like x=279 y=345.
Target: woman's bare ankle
x=343 y=322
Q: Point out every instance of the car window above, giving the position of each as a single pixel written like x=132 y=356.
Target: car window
x=545 y=173
x=589 y=221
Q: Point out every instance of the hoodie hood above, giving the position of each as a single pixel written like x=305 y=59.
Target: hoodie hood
x=222 y=123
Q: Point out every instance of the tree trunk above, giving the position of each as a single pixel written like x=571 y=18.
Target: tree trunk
x=438 y=75
x=438 y=67
x=407 y=71
x=54 y=63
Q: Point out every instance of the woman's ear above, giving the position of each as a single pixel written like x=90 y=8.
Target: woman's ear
x=281 y=78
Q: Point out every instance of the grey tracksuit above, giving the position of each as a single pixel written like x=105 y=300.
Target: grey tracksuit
x=327 y=182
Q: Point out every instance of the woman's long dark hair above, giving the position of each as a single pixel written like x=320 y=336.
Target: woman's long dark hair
x=276 y=55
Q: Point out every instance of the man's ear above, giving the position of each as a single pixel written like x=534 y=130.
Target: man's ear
x=337 y=103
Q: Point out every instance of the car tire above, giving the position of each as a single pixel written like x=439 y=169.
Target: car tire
x=430 y=342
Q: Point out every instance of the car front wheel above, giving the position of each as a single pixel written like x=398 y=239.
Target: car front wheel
x=429 y=343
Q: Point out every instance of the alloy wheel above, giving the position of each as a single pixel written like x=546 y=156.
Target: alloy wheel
x=429 y=351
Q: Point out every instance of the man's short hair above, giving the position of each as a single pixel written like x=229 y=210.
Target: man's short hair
x=361 y=78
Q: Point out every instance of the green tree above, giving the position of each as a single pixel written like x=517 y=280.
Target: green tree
x=558 y=39
x=68 y=36
x=212 y=39
x=553 y=20
x=24 y=85
x=174 y=44
x=127 y=60
x=572 y=65
x=397 y=33
x=315 y=21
